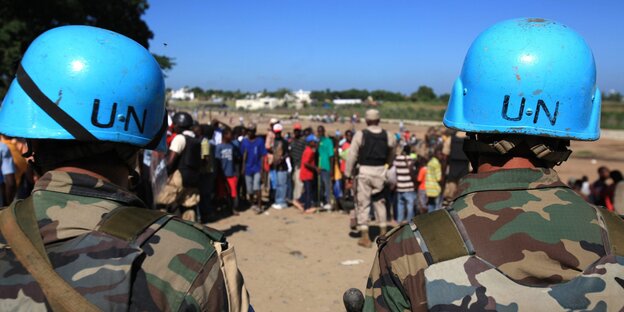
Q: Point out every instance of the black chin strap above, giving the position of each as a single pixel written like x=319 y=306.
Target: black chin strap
x=62 y=118
x=52 y=109
x=473 y=147
x=153 y=144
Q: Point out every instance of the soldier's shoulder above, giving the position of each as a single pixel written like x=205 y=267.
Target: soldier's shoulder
x=191 y=232
x=183 y=238
x=396 y=238
x=181 y=266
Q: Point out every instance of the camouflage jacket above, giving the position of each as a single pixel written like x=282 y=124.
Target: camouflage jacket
x=535 y=243
x=176 y=268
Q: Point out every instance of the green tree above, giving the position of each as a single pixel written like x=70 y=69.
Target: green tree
x=423 y=94
x=444 y=97
x=321 y=95
x=351 y=94
x=612 y=96
x=281 y=92
x=383 y=95
x=22 y=21
x=166 y=63
x=199 y=93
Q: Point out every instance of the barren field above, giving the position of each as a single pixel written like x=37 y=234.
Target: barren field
x=293 y=262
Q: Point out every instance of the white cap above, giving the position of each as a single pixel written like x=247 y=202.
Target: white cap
x=277 y=127
x=372 y=114
x=273 y=121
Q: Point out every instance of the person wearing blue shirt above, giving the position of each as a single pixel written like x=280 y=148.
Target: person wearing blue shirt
x=253 y=151
x=226 y=153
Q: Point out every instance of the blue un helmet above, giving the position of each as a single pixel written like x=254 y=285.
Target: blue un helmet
x=87 y=84
x=527 y=76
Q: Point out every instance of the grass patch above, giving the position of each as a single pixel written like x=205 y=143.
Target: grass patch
x=584 y=154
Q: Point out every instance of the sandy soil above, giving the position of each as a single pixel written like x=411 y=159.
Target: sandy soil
x=292 y=262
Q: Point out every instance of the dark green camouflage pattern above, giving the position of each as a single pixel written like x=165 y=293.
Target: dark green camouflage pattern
x=538 y=247
x=481 y=287
x=176 y=265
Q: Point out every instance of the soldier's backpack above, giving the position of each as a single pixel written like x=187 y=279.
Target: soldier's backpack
x=458 y=280
x=118 y=236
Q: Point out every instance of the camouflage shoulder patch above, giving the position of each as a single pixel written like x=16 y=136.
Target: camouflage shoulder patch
x=180 y=258
x=214 y=235
x=381 y=240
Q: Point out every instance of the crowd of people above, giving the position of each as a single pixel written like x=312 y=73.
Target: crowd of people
x=216 y=169
x=607 y=191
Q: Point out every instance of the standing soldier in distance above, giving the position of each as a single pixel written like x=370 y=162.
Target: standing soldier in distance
x=87 y=100
x=372 y=150
x=516 y=237
x=184 y=161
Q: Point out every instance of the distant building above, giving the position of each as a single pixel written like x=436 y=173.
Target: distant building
x=182 y=94
x=347 y=101
x=303 y=96
x=298 y=99
x=217 y=100
x=259 y=103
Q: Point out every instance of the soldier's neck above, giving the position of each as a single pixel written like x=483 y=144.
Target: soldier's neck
x=117 y=177
x=488 y=164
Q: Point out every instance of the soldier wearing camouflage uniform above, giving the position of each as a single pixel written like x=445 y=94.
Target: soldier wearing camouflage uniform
x=516 y=237
x=87 y=100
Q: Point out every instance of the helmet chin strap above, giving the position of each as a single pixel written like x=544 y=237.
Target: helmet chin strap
x=30 y=156
x=81 y=150
x=134 y=179
x=506 y=144
x=64 y=119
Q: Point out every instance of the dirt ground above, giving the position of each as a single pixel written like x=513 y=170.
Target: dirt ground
x=295 y=262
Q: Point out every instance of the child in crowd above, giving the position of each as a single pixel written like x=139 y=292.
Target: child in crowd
x=226 y=153
x=405 y=188
x=421 y=168
x=433 y=180
x=306 y=174
x=338 y=173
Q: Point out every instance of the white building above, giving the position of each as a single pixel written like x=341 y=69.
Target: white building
x=298 y=99
x=182 y=94
x=347 y=101
x=259 y=103
x=303 y=96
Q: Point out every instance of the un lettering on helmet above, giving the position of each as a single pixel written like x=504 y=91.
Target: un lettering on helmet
x=527 y=76
x=86 y=83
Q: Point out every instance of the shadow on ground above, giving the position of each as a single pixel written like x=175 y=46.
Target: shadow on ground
x=234 y=229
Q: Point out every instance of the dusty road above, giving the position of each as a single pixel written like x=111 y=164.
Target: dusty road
x=292 y=262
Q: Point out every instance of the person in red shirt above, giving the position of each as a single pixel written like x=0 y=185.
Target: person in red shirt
x=421 y=165
x=306 y=174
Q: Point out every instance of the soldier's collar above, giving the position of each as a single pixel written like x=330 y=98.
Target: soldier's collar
x=509 y=179
x=85 y=185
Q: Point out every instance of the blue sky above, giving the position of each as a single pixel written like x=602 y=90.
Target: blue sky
x=393 y=45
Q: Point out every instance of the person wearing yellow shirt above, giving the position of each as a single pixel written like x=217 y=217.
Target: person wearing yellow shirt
x=433 y=181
